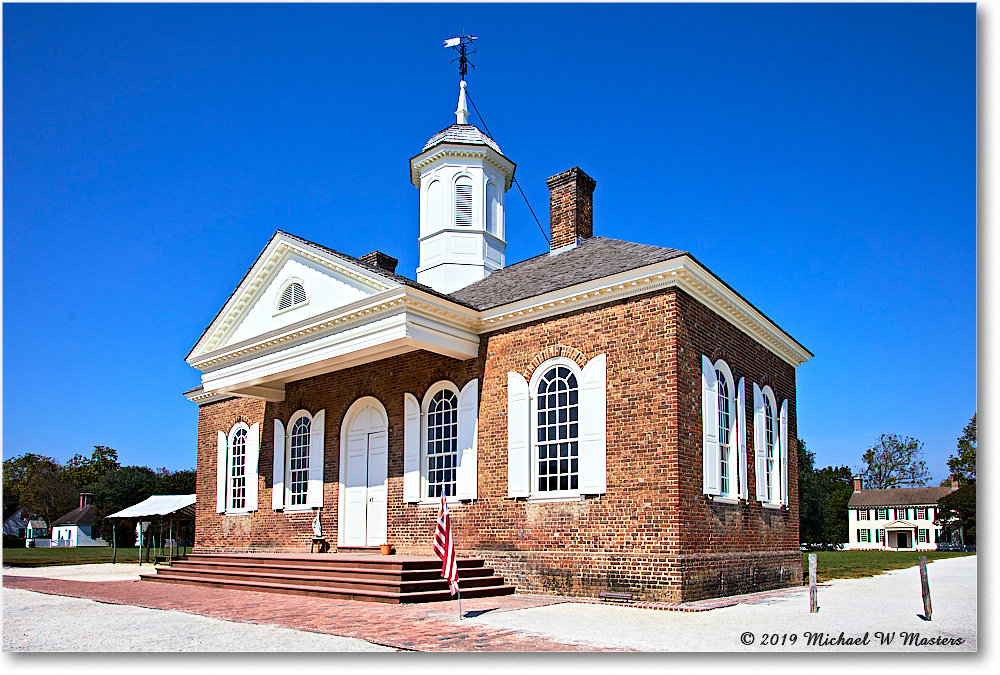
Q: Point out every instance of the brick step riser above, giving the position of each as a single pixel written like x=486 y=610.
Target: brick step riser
x=348 y=595
x=343 y=584
x=358 y=564
x=361 y=575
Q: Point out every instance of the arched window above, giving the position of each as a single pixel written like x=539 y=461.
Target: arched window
x=237 y=468
x=493 y=209
x=771 y=443
x=436 y=202
x=463 y=202
x=293 y=295
x=441 y=449
x=556 y=430
x=723 y=432
x=298 y=461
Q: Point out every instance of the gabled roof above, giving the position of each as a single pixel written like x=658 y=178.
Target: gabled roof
x=83 y=515
x=592 y=258
x=920 y=496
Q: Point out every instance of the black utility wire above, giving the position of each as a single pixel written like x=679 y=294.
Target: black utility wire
x=540 y=228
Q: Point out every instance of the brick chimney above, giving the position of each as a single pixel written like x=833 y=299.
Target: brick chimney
x=857 y=484
x=571 y=208
x=380 y=260
x=954 y=482
x=86 y=499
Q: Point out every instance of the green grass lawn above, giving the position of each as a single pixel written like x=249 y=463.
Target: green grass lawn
x=41 y=557
x=858 y=564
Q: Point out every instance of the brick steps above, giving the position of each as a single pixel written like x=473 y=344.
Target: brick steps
x=373 y=578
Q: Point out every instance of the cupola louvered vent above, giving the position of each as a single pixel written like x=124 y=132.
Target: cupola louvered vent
x=463 y=203
x=293 y=295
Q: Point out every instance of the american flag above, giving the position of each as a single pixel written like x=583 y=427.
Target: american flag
x=444 y=547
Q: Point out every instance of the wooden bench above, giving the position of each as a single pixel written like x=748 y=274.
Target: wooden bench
x=614 y=596
x=319 y=545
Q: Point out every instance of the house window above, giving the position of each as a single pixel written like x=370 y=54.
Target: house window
x=769 y=448
x=440 y=443
x=921 y=513
x=862 y=514
x=863 y=536
x=723 y=432
x=726 y=414
x=883 y=514
x=293 y=295
x=556 y=430
x=770 y=441
x=298 y=461
x=237 y=467
x=900 y=514
x=880 y=536
x=922 y=536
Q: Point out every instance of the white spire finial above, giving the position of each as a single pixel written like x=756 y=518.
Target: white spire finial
x=462 y=114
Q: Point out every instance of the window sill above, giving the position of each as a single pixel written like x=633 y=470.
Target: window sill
x=554 y=498
x=436 y=501
x=297 y=509
x=769 y=505
x=715 y=499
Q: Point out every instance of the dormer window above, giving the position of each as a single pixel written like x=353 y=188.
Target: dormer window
x=293 y=295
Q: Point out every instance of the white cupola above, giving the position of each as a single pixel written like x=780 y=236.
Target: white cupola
x=462 y=176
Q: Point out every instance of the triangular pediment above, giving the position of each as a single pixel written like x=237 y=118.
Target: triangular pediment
x=899 y=525
x=328 y=281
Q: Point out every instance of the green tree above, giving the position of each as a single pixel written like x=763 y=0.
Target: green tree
x=963 y=463
x=49 y=494
x=16 y=473
x=84 y=472
x=894 y=462
x=120 y=488
x=958 y=511
x=823 y=497
x=175 y=482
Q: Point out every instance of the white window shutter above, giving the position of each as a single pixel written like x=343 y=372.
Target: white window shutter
x=593 y=426
x=518 y=442
x=253 y=455
x=784 y=452
x=741 y=437
x=278 y=468
x=314 y=493
x=468 y=438
x=411 y=449
x=221 y=474
x=759 y=451
x=709 y=428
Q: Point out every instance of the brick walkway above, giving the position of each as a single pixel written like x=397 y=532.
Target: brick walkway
x=422 y=627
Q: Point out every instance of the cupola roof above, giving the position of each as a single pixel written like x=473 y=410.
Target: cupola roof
x=462 y=134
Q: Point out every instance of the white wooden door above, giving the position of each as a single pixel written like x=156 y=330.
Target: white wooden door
x=367 y=468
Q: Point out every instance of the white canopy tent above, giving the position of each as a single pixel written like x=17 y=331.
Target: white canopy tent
x=176 y=507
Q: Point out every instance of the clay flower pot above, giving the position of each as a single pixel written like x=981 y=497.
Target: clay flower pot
x=386 y=549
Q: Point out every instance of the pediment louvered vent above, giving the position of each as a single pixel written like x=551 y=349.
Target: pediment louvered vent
x=293 y=295
x=463 y=203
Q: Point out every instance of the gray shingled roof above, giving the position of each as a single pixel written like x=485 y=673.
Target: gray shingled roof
x=898 y=497
x=83 y=515
x=591 y=259
x=463 y=134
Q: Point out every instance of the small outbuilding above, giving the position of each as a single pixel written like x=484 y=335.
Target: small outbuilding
x=76 y=528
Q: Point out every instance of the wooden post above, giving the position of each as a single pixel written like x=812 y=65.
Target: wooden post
x=114 y=544
x=925 y=588
x=813 y=591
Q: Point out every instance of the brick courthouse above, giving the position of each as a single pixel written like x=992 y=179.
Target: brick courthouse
x=604 y=416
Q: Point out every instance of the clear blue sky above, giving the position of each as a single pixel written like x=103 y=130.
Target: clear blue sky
x=820 y=159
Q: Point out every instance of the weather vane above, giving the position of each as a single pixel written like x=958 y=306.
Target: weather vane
x=460 y=44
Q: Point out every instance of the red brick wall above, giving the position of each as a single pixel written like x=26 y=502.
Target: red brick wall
x=653 y=530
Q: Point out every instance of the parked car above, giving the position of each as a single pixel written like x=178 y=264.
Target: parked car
x=949 y=547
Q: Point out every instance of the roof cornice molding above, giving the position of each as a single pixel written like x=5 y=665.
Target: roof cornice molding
x=483 y=152
x=277 y=251
x=683 y=272
x=202 y=397
x=366 y=310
